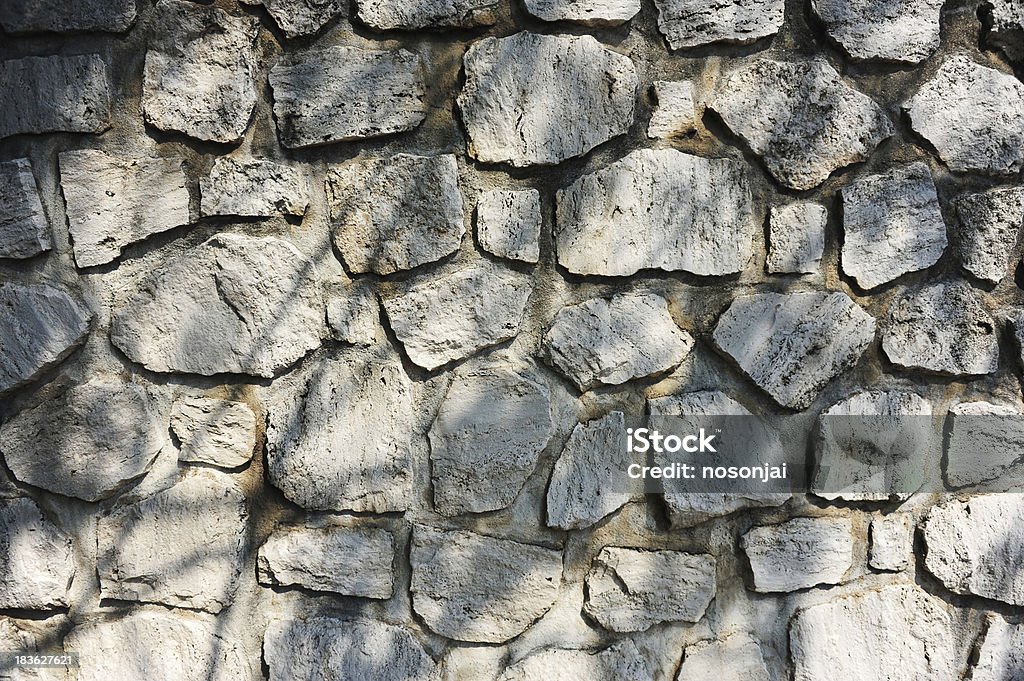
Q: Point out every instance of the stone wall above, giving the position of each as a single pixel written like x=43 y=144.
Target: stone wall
x=319 y=322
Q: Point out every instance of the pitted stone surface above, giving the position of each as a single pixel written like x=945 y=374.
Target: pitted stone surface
x=985 y=440
x=906 y=31
x=792 y=345
x=799 y=553
x=397 y=213
x=657 y=209
x=892 y=542
x=1000 y=652
x=38 y=562
x=218 y=432
x=691 y=23
x=508 y=224
x=301 y=17
x=541 y=99
x=796 y=238
x=587 y=12
x=58 y=16
x=1004 y=26
x=767 y=104
x=675 y=112
x=31 y=637
x=253 y=188
x=385 y=15
x=346 y=93
x=24 y=230
x=621 y=661
x=989 y=225
x=460 y=601
x=354 y=315
x=734 y=657
x=54 y=94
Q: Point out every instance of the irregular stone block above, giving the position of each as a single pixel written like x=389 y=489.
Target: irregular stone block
x=735 y=657
x=253 y=188
x=218 y=432
x=459 y=600
x=31 y=637
x=796 y=238
x=904 y=32
x=541 y=99
x=657 y=209
x=38 y=562
x=1004 y=26
x=392 y=214
x=57 y=16
x=792 y=345
x=985 y=441
x=354 y=316
x=301 y=17
x=24 y=230
x=675 y=112
x=690 y=23
x=54 y=94
x=842 y=128
x=385 y=15
x=114 y=202
x=799 y=553
x=1000 y=652
x=621 y=661
x=892 y=542
x=508 y=224
x=588 y=12
x=346 y=93
x=989 y=226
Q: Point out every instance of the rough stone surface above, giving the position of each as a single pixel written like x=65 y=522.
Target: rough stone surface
x=301 y=17
x=24 y=230
x=218 y=432
x=541 y=99
x=253 y=188
x=114 y=202
x=792 y=345
x=632 y=590
x=1004 y=24
x=971 y=114
x=508 y=224
x=38 y=560
x=588 y=12
x=905 y=32
x=346 y=93
x=691 y=23
x=799 y=553
x=985 y=440
x=892 y=542
x=57 y=16
x=460 y=601
x=354 y=316
x=30 y=637
x=385 y=15
x=352 y=561
x=943 y=328
x=675 y=111
x=54 y=94
x=892 y=225
x=1000 y=652
x=766 y=104
x=796 y=238
x=657 y=209
x=612 y=341
x=234 y=304
x=486 y=439
x=733 y=657
x=989 y=226
x=395 y=213
x=621 y=661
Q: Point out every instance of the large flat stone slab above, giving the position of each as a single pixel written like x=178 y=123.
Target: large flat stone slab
x=385 y=15
x=989 y=224
x=905 y=32
x=796 y=238
x=54 y=94
x=39 y=560
x=799 y=554
x=508 y=223
x=692 y=23
x=216 y=432
x=24 y=230
x=587 y=12
x=251 y=187
x=984 y=442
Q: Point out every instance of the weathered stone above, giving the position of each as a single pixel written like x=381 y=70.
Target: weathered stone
x=657 y=209
x=234 y=304
x=392 y=214
x=181 y=547
x=508 y=224
x=541 y=99
x=354 y=316
x=1000 y=652
x=486 y=439
x=675 y=111
x=301 y=17
x=799 y=553
x=1004 y=26
x=971 y=114
x=632 y=590
x=904 y=32
x=57 y=16
x=690 y=23
x=253 y=188
x=352 y=561
x=339 y=433
x=612 y=341
x=767 y=105
x=621 y=661
x=346 y=93
x=943 y=328
x=796 y=238
x=448 y=317
x=24 y=231
x=385 y=15
x=38 y=561
x=985 y=441
x=588 y=12
x=113 y=202
x=989 y=225
x=898 y=633
x=200 y=74
x=31 y=637
x=734 y=657
x=792 y=345
x=89 y=441
x=217 y=432
x=892 y=542
x=296 y=650
x=892 y=225
x=54 y=94
x=459 y=600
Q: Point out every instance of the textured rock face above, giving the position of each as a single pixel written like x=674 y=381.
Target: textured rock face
x=24 y=231
x=253 y=188
x=943 y=329
x=792 y=345
x=538 y=99
x=351 y=561
x=892 y=542
x=441 y=319
x=485 y=441
x=88 y=442
x=588 y=13
x=904 y=32
x=38 y=561
x=354 y=316
x=508 y=224
x=338 y=436
x=657 y=210
x=218 y=432
x=1001 y=652
x=796 y=238
x=612 y=341
x=900 y=632
x=675 y=112
x=985 y=440
x=989 y=225
x=30 y=637
x=54 y=94
x=301 y=17
x=1004 y=21
x=235 y=304
x=57 y=16
x=385 y=15
x=690 y=23
x=971 y=115
x=459 y=601
x=767 y=105
x=632 y=590
x=621 y=661
x=892 y=225
x=735 y=657
x=198 y=525
x=800 y=553
x=396 y=213
x=114 y=202
x=200 y=77
x=346 y=93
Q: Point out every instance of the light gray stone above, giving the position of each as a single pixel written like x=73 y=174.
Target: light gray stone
x=234 y=304
x=631 y=590
x=621 y=661
x=971 y=114
x=657 y=209
x=114 y=202
x=218 y=432
x=587 y=12
x=989 y=226
x=792 y=345
x=459 y=600
x=58 y=16
x=352 y=561
x=1004 y=26
x=766 y=104
x=31 y=637
x=985 y=441
x=346 y=93
x=691 y=23
x=508 y=224
x=1000 y=652
x=253 y=187
x=24 y=230
x=353 y=315
x=675 y=111
x=799 y=554
x=397 y=213
x=796 y=238
x=301 y=17
x=613 y=341
x=541 y=99
x=38 y=562
x=486 y=439
x=385 y=15
x=54 y=94
x=906 y=31
x=737 y=656
x=892 y=542
x=448 y=317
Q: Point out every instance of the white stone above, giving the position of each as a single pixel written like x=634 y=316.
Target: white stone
x=38 y=559
x=301 y=17
x=691 y=23
x=253 y=187
x=58 y=16
x=1004 y=26
x=1000 y=652
x=31 y=637
x=674 y=111
x=736 y=657
x=54 y=94
x=985 y=440
x=24 y=230
x=905 y=32
x=508 y=224
x=385 y=15
x=892 y=542
x=989 y=225
x=218 y=432
x=586 y=12
x=799 y=553
x=796 y=238
x=621 y=661
x=353 y=315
